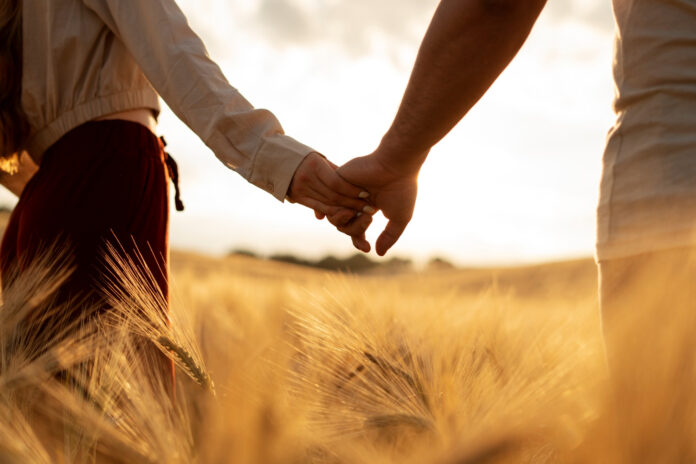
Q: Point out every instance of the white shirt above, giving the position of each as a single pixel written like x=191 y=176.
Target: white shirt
x=648 y=189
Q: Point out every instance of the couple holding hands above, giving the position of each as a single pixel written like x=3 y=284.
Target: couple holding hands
x=79 y=94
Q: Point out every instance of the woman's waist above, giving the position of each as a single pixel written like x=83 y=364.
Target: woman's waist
x=142 y=116
x=135 y=105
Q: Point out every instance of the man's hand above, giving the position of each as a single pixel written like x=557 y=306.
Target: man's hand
x=392 y=190
x=317 y=186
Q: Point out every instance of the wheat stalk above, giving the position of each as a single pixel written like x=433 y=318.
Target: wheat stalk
x=196 y=372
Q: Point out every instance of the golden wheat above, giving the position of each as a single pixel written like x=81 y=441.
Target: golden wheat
x=451 y=367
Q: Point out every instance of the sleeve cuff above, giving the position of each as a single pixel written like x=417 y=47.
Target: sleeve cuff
x=275 y=164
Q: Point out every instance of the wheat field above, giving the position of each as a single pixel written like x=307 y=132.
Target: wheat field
x=283 y=364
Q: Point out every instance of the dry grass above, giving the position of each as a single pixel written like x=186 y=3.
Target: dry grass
x=446 y=367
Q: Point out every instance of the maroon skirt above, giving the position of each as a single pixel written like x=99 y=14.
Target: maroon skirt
x=103 y=182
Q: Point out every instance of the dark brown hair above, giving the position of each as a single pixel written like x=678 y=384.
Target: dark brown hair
x=14 y=128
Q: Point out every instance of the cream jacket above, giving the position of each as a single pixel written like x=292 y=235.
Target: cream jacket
x=648 y=191
x=89 y=58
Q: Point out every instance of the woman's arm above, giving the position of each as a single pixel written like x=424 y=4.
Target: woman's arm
x=249 y=140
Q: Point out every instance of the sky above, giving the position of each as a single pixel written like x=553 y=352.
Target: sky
x=516 y=181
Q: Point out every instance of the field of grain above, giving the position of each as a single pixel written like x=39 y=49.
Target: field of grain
x=284 y=364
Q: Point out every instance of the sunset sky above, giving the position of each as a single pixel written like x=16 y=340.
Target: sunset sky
x=516 y=181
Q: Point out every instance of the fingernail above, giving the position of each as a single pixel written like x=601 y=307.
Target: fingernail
x=369 y=209
x=364 y=195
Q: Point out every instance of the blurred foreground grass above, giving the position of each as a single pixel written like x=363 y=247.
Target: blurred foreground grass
x=452 y=366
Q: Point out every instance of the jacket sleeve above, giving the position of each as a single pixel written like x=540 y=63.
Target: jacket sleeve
x=175 y=61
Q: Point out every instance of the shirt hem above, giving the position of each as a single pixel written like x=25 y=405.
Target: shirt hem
x=41 y=140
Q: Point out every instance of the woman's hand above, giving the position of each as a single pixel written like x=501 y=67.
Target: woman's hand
x=317 y=186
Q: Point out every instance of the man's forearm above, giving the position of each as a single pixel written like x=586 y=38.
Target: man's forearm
x=466 y=47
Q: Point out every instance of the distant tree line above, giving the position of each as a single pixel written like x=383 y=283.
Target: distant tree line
x=357 y=263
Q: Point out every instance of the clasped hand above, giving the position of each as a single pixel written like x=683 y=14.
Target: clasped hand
x=333 y=192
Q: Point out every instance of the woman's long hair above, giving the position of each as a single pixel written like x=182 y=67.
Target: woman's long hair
x=14 y=128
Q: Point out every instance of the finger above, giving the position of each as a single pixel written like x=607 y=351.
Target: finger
x=319 y=185
x=319 y=215
x=389 y=236
x=342 y=218
x=358 y=226
x=330 y=197
x=361 y=244
x=318 y=206
x=339 y=185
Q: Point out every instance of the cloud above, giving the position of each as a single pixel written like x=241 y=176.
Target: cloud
x=351 y=26
x=355 y=27
x=593 y=13
x=284 y=22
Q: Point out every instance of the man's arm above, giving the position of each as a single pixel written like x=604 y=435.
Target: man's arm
x=466 y=47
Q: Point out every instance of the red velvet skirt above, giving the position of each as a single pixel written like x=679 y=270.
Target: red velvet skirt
x=103 y=182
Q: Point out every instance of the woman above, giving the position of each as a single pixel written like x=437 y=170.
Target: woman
x=79 y=94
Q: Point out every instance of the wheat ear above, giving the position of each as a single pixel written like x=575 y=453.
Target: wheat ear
x=196 y=372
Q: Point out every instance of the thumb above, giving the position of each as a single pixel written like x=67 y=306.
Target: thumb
x=389 y=236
